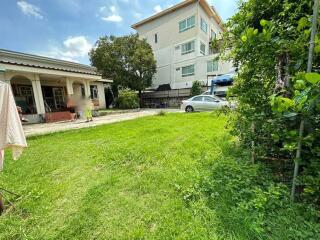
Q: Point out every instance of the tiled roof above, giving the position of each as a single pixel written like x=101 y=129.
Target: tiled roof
x=35 y=61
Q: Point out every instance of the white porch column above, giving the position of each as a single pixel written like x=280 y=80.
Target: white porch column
x=38 y=97
x=87 y=88
x=69 y=84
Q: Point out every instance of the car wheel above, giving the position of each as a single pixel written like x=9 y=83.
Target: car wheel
x=189 y=109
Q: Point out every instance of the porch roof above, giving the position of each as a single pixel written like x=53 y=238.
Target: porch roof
x=35 y=61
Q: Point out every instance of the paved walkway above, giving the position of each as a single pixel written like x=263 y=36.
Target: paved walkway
x=45 y=128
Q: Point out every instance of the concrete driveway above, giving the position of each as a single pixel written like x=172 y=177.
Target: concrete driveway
x=45 y=128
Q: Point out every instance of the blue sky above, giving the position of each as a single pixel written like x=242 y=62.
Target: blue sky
x=67 y=29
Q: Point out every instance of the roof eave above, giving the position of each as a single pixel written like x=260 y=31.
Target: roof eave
x=164 y=12
x=45 y=59
x=211 y=11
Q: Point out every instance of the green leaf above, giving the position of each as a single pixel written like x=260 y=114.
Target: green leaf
x=317 y=49
x=299 y=85
x=302 y=23
x=303 y=96
x=313 y=78
x=263 y=22
x=287 y=102
x=290 y=115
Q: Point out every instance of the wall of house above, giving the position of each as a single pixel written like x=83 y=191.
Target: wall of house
x=167 y=30
x=101 y=95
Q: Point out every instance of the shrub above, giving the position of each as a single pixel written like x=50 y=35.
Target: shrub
x=246 y=201
x=127 y=99
x=196 y=88
x=161 y=113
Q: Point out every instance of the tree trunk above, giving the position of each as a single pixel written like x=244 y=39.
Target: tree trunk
x=297 y=161
x=313 y=34
x=283 y=74
x=309 y=69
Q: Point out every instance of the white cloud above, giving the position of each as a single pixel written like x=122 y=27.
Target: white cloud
x=29 y=9
x=73 y=49
x=77 y=46
x=113 y=17
x=113 y=9
x=101 y=9
x=157 y=8
x=137 y=15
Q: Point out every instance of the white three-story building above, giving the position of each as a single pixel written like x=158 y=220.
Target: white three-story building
x=180 y=37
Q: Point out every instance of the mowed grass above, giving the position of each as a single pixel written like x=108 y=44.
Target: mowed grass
x=118 y=181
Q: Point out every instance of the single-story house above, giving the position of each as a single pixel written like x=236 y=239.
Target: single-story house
x=42 y=85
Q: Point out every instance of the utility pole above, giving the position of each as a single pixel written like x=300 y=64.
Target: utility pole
x=309 y=69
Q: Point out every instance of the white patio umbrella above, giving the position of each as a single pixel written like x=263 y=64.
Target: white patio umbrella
x=11 y=131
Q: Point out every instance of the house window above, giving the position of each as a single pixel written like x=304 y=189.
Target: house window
x=213 y=35
x=212 y=66
x=204 y=25
x=203 y=48
x=156 y=38
x=187 y=47
x=94 y=92
x=186 y=24
x=188 y=71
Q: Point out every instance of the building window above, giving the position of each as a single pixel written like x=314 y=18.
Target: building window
x=202 y=48
x=187 y=47
x=213 y=35
x=212 y=66
x=204 y=25
x=156 y=38
x=94 y=92
x=188 y=71
x=186 y=24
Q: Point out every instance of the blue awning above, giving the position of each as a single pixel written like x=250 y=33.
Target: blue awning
x=223 y=79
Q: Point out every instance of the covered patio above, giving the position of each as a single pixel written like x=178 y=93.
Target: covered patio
x=42 y=86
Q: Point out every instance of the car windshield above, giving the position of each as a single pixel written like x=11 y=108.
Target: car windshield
x=207 y=93
x=219 y=98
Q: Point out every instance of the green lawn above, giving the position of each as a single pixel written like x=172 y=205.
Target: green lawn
x=129 y=180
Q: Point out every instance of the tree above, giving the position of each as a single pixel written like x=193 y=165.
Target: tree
x=269 y=41
x=196 y=88
x=127 y=60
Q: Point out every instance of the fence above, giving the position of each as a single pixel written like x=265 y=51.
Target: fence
x=167 y=98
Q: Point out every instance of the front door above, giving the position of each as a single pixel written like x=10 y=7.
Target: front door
x=197 y=103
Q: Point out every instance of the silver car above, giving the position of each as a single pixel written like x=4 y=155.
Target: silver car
x=203 y=103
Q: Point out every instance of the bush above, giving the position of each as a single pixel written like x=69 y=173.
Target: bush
x=127 y=99
x=162 y=113
x=245 y=200
x=196 y=88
